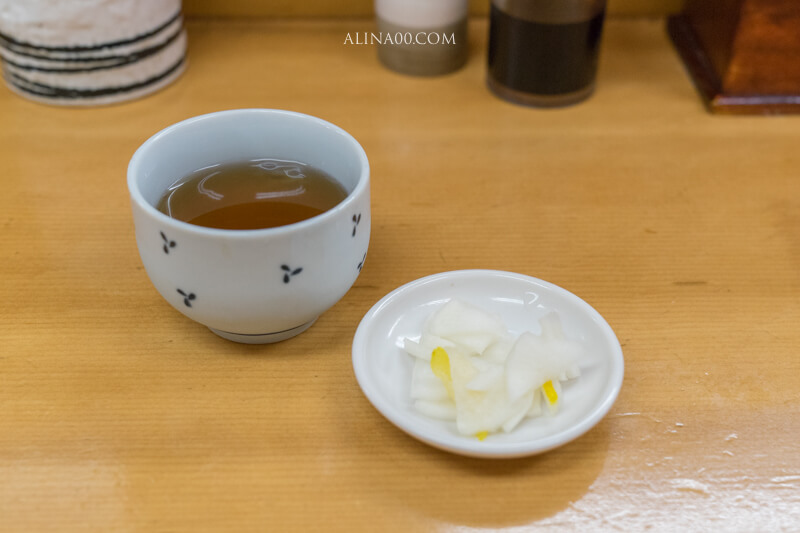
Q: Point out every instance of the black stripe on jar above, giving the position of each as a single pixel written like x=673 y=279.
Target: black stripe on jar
x=12 y=43
x=100 y=63
x=51 y=91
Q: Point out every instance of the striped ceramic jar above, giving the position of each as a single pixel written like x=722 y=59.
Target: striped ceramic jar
x=92 y=52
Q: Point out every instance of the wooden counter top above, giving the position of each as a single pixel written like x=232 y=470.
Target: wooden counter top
x=681 y=228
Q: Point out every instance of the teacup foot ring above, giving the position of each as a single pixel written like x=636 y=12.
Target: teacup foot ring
x=263 y=338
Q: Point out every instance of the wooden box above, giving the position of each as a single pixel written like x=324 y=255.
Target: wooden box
x=743 y=55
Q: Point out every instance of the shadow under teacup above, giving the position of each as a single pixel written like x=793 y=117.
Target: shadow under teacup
x=262 y=285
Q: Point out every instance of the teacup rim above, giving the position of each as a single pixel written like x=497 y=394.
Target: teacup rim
x=137 y=196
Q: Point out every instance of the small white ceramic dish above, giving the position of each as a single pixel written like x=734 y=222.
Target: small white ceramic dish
x=383 y=369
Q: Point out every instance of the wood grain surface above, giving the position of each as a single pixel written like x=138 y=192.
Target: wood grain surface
x=681 y=228
x=365 y=8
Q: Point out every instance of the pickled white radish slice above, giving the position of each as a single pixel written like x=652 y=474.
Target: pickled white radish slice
x=490 y=376
x=439 y=410
x=425 y=385
x=425 y=346
x=466 y=325
x=534 y=361
x=482 y=377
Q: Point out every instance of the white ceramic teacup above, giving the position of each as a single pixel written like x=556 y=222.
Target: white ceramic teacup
x=251 y=286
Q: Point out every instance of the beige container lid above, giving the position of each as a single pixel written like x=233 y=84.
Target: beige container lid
x=421 y=13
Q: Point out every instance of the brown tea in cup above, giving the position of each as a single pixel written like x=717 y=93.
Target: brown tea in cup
x=254 y=194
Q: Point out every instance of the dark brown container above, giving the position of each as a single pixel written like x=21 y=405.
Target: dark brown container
x=544 y=53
